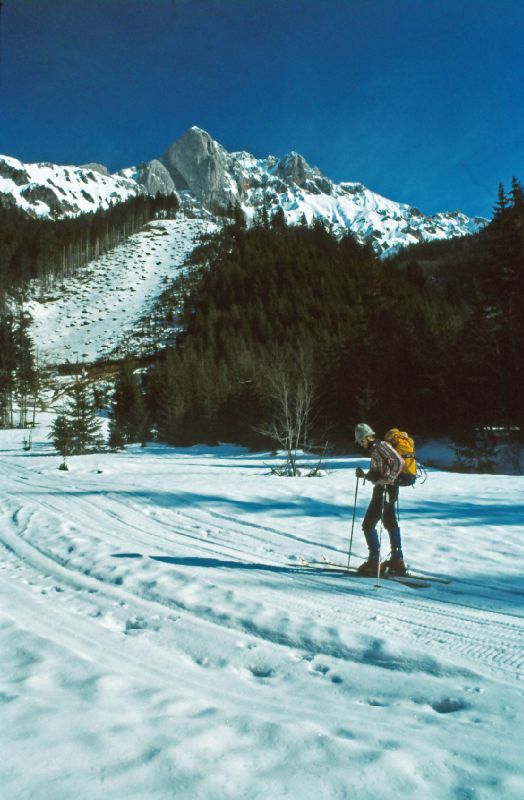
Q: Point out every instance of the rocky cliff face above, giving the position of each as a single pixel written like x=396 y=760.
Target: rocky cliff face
x=12 y=170
x=294 y=169
x=156 y=178
x=199 y=164
x=94 y=166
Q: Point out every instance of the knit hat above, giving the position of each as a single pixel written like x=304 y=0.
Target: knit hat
x=362 y=430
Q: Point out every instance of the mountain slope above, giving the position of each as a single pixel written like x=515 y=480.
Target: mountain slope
x=98 y=313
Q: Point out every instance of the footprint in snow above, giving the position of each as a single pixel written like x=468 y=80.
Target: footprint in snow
x=136 y=624
x=261 y=672
x=449 y=705
x=345 y=733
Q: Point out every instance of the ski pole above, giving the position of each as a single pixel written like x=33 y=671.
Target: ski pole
x=353 y=522
x=377 y=585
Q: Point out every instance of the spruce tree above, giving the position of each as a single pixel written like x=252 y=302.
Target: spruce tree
x=501 y=204
x=8 y=362
x=517 y=194
x=26 y=373
x=129 y=416
x=61 y=435
x=77 y=429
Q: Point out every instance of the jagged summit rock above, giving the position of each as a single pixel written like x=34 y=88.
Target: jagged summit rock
x=197 y=163
x=156 y=178
x=101 y=168
x=294 y=168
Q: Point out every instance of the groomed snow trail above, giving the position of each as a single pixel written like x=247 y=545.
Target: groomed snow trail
x=160 y=638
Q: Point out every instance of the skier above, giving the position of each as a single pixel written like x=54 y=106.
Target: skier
x=386 y=466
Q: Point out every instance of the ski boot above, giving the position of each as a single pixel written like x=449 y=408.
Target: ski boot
x=369 y=568
x=394 y=565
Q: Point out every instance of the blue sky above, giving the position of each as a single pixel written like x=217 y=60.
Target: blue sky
x=421 y=100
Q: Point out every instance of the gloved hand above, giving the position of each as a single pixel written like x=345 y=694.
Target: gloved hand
x=359 y=472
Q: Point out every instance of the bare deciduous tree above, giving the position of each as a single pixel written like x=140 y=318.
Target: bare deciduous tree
x=287 y=381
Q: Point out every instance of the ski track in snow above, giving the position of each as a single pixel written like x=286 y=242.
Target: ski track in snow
x=158 y=636
x=455 y=630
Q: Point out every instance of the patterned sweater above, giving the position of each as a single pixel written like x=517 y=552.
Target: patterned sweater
x=386 y=464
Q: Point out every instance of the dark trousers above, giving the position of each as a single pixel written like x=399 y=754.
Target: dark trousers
x=382 y=506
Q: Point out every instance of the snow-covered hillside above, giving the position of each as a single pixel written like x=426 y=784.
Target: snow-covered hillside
x=54 y=191
x=159 y=637
x=98 y=312
x=207 y=176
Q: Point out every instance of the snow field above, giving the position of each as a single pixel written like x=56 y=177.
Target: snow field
x=106 y=299
x=160 y=638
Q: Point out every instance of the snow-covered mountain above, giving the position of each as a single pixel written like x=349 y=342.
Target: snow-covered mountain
x=202 y=167
x=54 y=191
x=208 y=177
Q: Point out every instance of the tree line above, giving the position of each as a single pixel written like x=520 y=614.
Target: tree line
x=483 y=276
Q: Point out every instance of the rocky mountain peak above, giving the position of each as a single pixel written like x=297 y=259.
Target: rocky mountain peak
x=197 y=163
x=96 y=167
x=294 y=168
x=156 y=178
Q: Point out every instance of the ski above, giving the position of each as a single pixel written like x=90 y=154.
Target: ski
x=428 y=576
x=407 y=580
x=415 y=581
x=422 y=576
x=341 y=569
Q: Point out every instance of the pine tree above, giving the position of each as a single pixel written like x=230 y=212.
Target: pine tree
x=501 y=204
x=8 y=364
x=278 y=220
x=26 y=374
x=77 y=429
x=86 y=425
x=517 y=194
x=129 y=417
x=61 y=434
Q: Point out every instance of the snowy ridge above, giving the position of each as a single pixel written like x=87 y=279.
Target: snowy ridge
x=304 y=193
x=98 y=312
x=161 y=588
x=54 y=191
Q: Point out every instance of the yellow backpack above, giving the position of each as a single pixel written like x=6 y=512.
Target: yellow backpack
x=405 y=446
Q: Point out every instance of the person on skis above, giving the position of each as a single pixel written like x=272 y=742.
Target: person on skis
x=385 y=469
